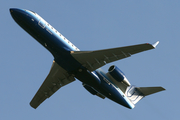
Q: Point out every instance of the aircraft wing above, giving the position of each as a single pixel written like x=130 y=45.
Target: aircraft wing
x=56 y=78
x=93 y=60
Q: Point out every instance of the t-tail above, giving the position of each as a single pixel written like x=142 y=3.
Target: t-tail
x=135 y=94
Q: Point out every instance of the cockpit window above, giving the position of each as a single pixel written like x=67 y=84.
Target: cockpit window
x=31 y=11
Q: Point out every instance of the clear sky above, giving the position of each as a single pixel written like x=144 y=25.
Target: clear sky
x=92 y=25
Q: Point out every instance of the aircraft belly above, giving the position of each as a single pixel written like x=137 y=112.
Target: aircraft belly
x=87 y=77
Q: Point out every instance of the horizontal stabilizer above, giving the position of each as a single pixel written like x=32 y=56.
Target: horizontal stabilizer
x=149 y=90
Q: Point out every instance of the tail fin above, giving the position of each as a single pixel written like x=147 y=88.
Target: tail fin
x=135 y=94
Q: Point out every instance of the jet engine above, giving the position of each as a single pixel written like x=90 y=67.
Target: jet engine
x=118 y=75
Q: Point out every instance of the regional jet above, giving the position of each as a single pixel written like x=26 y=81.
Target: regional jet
x=70 y=64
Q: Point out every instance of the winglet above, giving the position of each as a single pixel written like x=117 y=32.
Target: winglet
x=155 y=44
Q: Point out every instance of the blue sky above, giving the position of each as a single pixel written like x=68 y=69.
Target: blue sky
x=92 y=25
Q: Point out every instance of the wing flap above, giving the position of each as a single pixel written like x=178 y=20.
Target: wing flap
x=56 y=78
x=93 y=60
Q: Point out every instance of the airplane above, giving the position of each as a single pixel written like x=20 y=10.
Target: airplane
x=70 y=64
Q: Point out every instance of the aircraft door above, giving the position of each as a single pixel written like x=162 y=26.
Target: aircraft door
x=41 y=23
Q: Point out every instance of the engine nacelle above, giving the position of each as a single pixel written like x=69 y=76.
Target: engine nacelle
x=118 y=75
x=92 y=91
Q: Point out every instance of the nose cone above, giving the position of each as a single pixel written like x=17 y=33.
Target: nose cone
x=17 y=14
x=15 y=11
x=11 y=9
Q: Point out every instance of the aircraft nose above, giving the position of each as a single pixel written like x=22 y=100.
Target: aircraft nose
x=11 y=10
x=15 y=12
